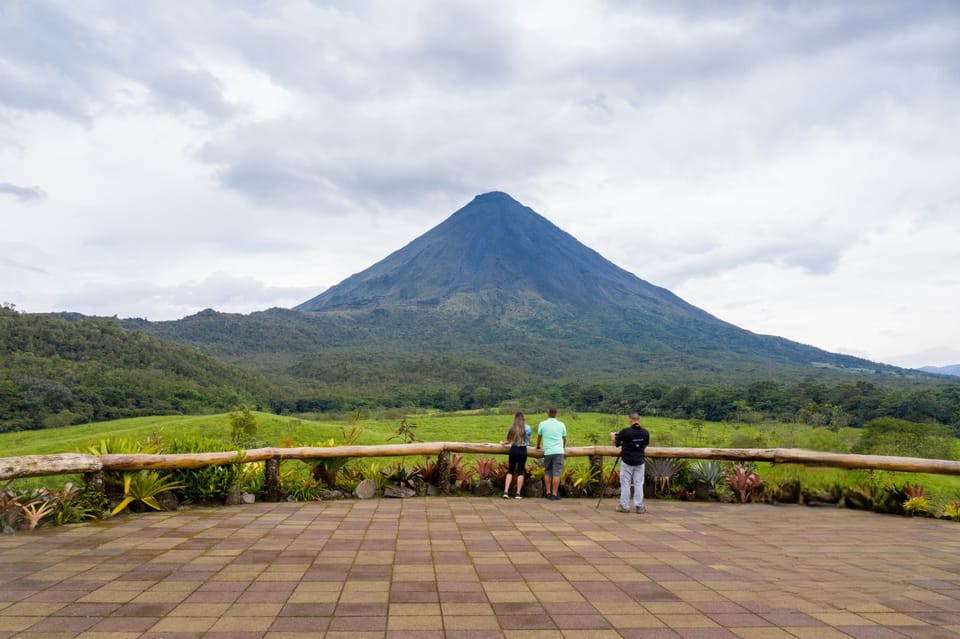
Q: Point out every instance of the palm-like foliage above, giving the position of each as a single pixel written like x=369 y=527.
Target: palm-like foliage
x=708 y=471
x=662 y=469
x=144 y=486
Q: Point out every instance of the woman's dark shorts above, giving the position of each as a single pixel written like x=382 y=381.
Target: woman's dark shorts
x=517 y=460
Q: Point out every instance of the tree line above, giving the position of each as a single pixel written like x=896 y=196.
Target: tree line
x=811 y=402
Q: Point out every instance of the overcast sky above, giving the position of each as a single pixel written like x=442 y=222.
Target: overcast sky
x=793 y=168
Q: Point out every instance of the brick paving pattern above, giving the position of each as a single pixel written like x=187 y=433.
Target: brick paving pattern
x=477 y=568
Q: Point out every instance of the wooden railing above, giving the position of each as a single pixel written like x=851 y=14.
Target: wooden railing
x=69 y=463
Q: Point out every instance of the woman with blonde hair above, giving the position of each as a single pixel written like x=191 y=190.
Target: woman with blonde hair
x=518 y=437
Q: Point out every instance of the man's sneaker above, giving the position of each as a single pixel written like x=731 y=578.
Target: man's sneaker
x=621 y=509
x=518 y=496
x=553 y=497
x=506 y=496
x=640 y=510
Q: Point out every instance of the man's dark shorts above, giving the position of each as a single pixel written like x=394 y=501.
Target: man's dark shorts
x=553 y=465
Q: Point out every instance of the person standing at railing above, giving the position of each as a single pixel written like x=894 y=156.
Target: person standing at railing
x=517 y=437
x=552 y=434
x=633 y=441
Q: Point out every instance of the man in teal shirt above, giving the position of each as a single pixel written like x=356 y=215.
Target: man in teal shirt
x=552 y=434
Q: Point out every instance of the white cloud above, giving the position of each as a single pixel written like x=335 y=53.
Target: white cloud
x=787 y=167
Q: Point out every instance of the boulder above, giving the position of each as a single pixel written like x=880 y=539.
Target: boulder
x=168 y=500
x=401 y=492
x=366 y=489
x=233 y=497
x=247 y=498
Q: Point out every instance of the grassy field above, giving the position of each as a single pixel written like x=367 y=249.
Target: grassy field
x=583 y=429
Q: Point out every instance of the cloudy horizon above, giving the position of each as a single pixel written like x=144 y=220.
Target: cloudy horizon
x=789 y=168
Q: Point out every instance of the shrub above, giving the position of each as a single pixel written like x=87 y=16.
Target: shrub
x=243 y=427
x=706 y=471
x=662 y=469
x=744 y=482
x=583 y=478
x=891 y=436
x=952 y=511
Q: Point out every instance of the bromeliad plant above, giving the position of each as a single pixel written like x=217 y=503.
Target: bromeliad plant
x=952 y=511
x=429 y=471
x=916 y=502
x=744 y=482
x=484 y=467
x=143 y=487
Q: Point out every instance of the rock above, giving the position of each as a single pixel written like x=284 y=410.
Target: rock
x=786 y=492
x=533 y=487
x=247 y=498
x=401 y=492
x=168 y=500
x=366 y=489
x=432 y=491
x=328 y=495
x=233 y=497
x=484 y=488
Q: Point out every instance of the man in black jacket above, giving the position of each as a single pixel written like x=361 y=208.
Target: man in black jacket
x=632 y=441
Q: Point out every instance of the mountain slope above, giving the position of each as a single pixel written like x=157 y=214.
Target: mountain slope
x=55 y=372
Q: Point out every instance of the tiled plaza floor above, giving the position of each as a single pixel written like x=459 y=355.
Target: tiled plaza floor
x=478 y=567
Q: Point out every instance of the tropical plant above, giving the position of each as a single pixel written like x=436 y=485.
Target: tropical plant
x=429 y=471
x=952 y=511
x=401 y=476
x=583 y=478
x=484 y=467
x=913 y=490
x=916 y=505
x=143 y=487
x=662 y=469
x=744 y=482
x=461 y=472
x=535 y=470
x=36 y=509
x=11 y=509
x=120 y=446
x=706 y=471
x=68 y=506
x=302 y=489
x=373 y=470
x=211 y=484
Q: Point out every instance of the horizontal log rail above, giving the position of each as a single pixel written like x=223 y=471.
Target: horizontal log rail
x=69 y=463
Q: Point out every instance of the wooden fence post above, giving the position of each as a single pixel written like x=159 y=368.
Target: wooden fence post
x=271 y=471
x=443 y=472
x=596 y=469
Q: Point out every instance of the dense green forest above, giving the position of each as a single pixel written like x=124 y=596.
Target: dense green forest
x=54 y=373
